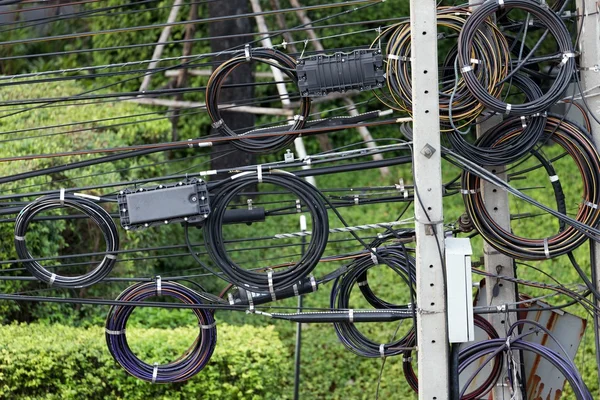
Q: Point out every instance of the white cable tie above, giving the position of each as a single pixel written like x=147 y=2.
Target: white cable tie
x=590 y=204
x=158 y=285
x=393 y=57
x=259 y=172
x=154 y=372
x=271 y=289
x=501 y=3
x=62 y=196
x=469 y=191
x=210 y=326
x=362 y=283
x=351 y=315
x=247 y=52
x=475 y=61
x=554 y=178
x=296 y=292
x=356 y=199
x=114 y=333
x=466 y=68
x=230 y=298
x=217 y=124
x=190 y=145
x=298 y=206
x=313 y=283
x=21 y=238
x=382 y=350
x=52 y=279
x=523 y=121
x=87 y=196
x=546 y=250
x=374 y=256
x=508 y=108
x=298 y=117
x=284 y=44
x=111 y=256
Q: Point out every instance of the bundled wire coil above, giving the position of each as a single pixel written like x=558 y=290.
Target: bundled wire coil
x=491 y=151
x=396 y=259
x=467 y=42
x=272 y=280
x=96 y=213
x=577 y=143
x=185 y=367
x=215 y=84
x=477 y=393
x=456 y=102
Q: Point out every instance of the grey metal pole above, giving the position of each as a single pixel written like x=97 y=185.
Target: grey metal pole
x=432 y=326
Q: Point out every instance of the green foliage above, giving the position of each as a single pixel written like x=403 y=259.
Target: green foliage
x=61 y=362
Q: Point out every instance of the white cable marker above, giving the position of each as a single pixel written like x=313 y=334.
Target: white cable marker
x=382 y=350
x=52 y=279
x=271 y=289
x=210 y=326
x=62 y=196
x=554 y=178
x=259 y=172
x=351 y=315
x=115 y=333
x=374 y=256
x=154 y=372
x=21 y=238
x=158 y=285
x=546 y=250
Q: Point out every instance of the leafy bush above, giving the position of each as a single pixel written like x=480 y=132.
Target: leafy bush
x=60 y=362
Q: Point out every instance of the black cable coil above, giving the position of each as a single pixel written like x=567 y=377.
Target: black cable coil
x=492 y=151
x=96 y=213
x=186 y=366
x=577 y=143
x=276 y=59
x=256 y=281
x=545 y=17
x=396 y=259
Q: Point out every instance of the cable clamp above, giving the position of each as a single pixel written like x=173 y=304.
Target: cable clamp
x=230 y=298
x=114 y=333
x=466 y=68
x=501 y=308
x=508 y=108
x=523 y=121
x=248 y=52
x=21 y=238
x=210 y=326
x=270 y=279
x=154 y=372
x=313 y=283
x=158 y=285
x=382 y=350
x=298 y=206
x=554 y=178
x=217 y=124
x=362 y=283
x=62 y=196
x=546 y=250
x=373 y=253
x=259 y=172
x=351 y=315
x=52 y=279
x=566 y=57
x=590 y=204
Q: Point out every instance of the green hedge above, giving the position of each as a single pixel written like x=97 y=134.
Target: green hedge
x=61 y=362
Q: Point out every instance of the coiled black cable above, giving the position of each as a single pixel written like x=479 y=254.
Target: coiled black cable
x=274 y=58
x=393 y=257
x=185 y=367
x=577 y=143
x=491 y=151
x=256 y=281
x=96 y=213
x=545 y=17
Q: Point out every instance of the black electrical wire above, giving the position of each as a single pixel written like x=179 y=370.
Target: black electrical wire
x=554 y=25
x=310 y=199
x=186 y=366
x=276 y=59
x=96 y=213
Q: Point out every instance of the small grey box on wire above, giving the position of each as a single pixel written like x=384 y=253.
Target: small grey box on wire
x=185 y=201
x=321 y=74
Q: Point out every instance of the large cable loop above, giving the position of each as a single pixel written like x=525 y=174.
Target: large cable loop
x=186 y=366
x=96 y=213
x=577 y=143
x=256 y=281
x=217 y=80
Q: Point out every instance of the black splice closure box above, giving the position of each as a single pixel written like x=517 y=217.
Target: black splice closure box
x=321 y=74
x=164 y=204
